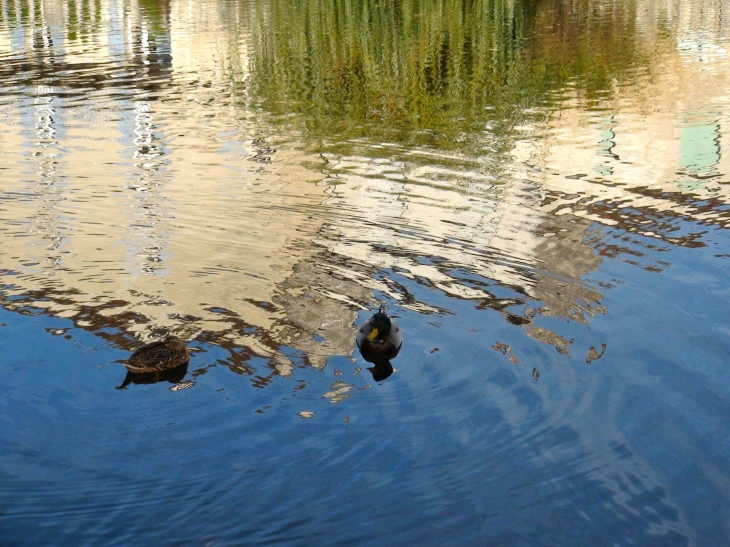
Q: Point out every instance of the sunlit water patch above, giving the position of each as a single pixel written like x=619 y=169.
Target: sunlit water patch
x=538 y=192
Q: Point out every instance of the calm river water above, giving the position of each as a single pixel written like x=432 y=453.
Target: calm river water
x=538 y=190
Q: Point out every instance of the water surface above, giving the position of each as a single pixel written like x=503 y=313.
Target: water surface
x=538 y=190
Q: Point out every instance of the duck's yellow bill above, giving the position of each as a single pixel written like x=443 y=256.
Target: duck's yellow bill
x=373 y=334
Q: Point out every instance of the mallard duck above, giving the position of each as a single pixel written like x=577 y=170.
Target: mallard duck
x=164 y=354
x=379 y=336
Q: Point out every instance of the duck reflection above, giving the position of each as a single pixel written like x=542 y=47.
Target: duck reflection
x=382 y=368
x=172 y=375
x=163 y=360
x=380 y=340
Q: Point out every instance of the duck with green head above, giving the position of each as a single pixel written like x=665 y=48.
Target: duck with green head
x=380 y=335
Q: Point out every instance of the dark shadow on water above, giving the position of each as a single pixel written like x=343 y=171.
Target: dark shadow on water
x=173 y=375
x=381 y=369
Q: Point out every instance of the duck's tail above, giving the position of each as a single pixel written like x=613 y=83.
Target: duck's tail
x=382 y=308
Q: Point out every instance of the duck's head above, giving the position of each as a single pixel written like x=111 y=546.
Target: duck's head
x=380 y=324
x=174 y=343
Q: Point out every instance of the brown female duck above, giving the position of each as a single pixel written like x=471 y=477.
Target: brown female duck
x=164 y=354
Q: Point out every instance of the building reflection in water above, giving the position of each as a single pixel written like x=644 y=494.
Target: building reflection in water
x=492 y=156
x=46 y=156
x=165 y=103
x=148 y=198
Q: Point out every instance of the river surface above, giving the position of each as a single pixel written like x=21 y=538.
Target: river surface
x=537 y=190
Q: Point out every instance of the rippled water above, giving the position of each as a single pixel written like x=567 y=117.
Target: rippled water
x=538 y=190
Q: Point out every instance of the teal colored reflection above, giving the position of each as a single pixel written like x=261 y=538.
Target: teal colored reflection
x=700 y=154
x=700 y=148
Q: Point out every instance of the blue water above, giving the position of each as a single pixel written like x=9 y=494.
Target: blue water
x=459 y=447
x=541 y=204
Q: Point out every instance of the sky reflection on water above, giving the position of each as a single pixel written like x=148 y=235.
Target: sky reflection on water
x=538 y=190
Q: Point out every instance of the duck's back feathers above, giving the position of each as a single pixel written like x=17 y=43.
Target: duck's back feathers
x=161 y=355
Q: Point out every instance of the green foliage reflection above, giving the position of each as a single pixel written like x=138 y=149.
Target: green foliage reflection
x=425 y=69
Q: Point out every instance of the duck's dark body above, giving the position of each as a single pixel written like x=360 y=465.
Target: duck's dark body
x=164 y=354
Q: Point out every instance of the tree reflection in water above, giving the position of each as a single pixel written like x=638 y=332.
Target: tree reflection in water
x=546 y=178
x=418 y=145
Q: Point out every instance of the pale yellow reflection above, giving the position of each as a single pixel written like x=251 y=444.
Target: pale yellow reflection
x=174 y=202
x=648 y=136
